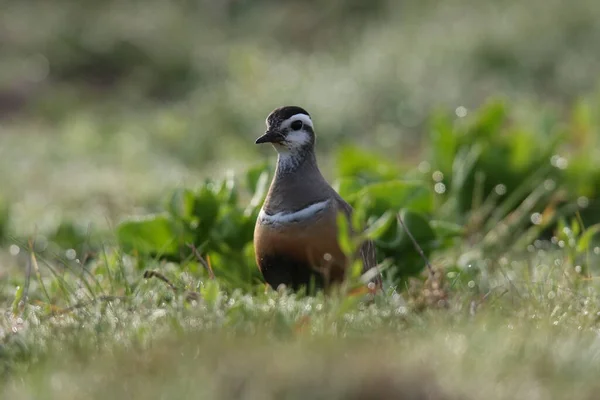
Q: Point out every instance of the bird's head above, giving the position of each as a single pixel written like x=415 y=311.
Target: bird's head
x=289 y=130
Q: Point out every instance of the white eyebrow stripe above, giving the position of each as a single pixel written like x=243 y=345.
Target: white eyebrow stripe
x=297 y=117
x=296 y=216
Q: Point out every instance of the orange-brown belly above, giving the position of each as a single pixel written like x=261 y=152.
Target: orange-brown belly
x=296 y=253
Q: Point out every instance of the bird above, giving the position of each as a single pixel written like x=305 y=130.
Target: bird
x=296 y=231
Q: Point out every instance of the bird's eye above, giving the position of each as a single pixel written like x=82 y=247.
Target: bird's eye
x=296 y=125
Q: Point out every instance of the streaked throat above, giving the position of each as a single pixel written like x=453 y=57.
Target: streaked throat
x=289 y=161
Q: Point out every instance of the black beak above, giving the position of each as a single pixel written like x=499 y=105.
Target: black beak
x=270 y=137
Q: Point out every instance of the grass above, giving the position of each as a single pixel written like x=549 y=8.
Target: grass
x=125 y=135
x=533 y=335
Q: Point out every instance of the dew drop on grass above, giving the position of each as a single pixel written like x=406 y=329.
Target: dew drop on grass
x=578 y=269
x=549 y=184
x=596 y=250
x=439 y=188
x=461 y=111
x=559 y=162
x=70 y=254
x=471 y=284
x=541 y=253
x=14 y=250
x=401 y=310
x=536 y=218
x=500 y=189
x=424 y=167
x=583 y=202
x=437 y=176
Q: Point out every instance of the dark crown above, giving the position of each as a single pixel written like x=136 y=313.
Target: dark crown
x=278 y=115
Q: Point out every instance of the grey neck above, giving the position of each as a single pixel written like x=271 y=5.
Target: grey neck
x=290 y=163
x=297 y=183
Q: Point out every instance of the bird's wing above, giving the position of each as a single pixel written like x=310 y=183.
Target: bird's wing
x=367 y=248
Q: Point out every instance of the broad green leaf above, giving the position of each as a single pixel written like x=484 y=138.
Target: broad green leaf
x=181 y=204
x=489 y=120
x=396 y=194
x=206 y=211
x=378 y=228
x=228 y=192
x=463 y=168
x=523 y=145
x=347 y=186
x=444 y=142
x=152 y=234
x=355 y=162
x=418 y=226
x=444 y=229
x=232 y=228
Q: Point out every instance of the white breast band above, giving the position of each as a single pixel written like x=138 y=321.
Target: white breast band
x=296 y=216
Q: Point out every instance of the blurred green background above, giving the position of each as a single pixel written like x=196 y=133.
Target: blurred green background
x=107 y=106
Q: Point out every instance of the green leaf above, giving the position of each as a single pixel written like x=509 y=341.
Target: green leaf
x=206 y=212
x=232 y=228
x=353 y=161
x=344 y=239
x=380 y=226
x=396 y=194
x=18 y=297
x=418 y=226
x=227 y=192
x=4 y=219
x=444 y=142
x=489 y=120
x=210 y=292
x=444 y=229
x=347 y=186
x=181 y=204
x=584 y=242
x=152 y=234
x=254 y=176
x=260 y=192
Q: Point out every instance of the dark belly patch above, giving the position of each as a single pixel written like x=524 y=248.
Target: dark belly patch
x=294 y=274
